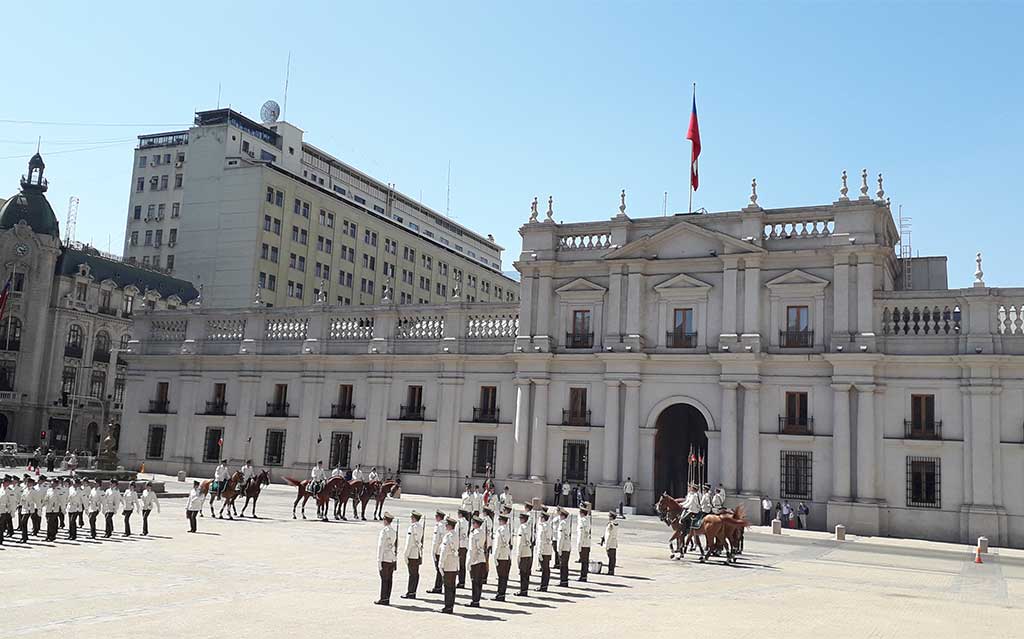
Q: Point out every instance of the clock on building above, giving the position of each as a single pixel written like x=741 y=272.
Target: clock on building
x=21 y=249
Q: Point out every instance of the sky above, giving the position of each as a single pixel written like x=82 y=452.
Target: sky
x=576 y=100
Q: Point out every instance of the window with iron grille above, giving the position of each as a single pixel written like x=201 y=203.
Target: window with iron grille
x=409 y=454
x=211 y=444
x=273 y=453
x=484 y=449
x=924 y=482
x=155 y=442
x=795 y=479
x=341 y=450
x=574 y=460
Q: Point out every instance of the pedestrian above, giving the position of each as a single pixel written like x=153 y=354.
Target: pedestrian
x=558 y=492
x=148 y=500
x=627 y=491
x=129 y=501
x=194 y=505
x=502 y=555
x=477 y=560
x=787 y=515
x=463 y=539
x=802 y=512
x=583 y=541
x=545 y=548
x=435 y=546
x=564 y=539
x=387 y=542
x=413 y=553
x=524 y=553
x=566 y=490
x=766 y=511
x=449 y=562
x=610 y=541
x=75 y=505
x=51 y=459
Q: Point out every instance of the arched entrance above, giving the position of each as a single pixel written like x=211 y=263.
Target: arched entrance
x=680 y=429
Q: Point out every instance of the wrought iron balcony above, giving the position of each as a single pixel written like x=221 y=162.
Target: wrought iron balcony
x=10 y=344
x=108 y=310
x=679 y=339
x=579 y=340
x=277 y=409
x=159 y=406
x=796 y=425
x=101 y=356
x=73 y=350
x=796 y=339
x=485 y=415
x=217 y=407
x=573 y=418
x=343 y=411
x=412 y=412
x=922 y=429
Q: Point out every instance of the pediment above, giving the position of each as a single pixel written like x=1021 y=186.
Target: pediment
x=580 y=285
x=796 y=277
x=682 y=282
x=685 y=240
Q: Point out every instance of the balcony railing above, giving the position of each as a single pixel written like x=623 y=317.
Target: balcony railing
x=796 y=339
x=159 y=406
x=922 y=430
x=277 y=409
x=217 y=407
x=678 y=339
x=73 y=350
x=485 y=415
x=579 y=340
x=796 y=425
x=343 y=411
x=101 y=356
x=574 y=418
x=108 y=310
x=412 y=412
x=11 y=345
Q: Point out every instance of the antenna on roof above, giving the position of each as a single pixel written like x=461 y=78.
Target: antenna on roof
x=906 y=251
x=287 y=76
x=664 y=206
x=72 y=219
x=448 y=192
x=218 y=95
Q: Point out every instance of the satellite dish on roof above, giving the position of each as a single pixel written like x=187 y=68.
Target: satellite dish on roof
x=270 y=112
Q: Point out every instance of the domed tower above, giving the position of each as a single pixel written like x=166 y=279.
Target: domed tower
x=31 y=205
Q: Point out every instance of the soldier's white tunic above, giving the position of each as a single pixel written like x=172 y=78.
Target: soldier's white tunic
x=221 y=473
x=544 y=538
x=476 y=546
x=449 y=560
x=564 y=535
x=583 y=532
x=110 y=501
x=502 y=542
x=522 y=548
x=195 y=499
x=149 y=500
x=439 y=530
x=611 y=535
x=386 y=544
x=414 y=541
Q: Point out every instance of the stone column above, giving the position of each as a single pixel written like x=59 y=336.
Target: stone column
x=613 y=317
x=841 y=442
x=544 y=309
x=982 y=453
x=865 y=294
x=631 y=431
x=841 y=295
x=729 y=440
x=526 y=306
x=610 y=463
x=522 y=427
x=539 y=430
x=751 y=437
x=636 y=285
x=752 y=300
x=376 y=420
x=866 y=462
x=729 y=301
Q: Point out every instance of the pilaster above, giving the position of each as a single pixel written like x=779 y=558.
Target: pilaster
x=539 y=430
x=610 y=463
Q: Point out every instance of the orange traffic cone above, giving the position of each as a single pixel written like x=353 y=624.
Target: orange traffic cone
x=142 y=468
x=977 y=555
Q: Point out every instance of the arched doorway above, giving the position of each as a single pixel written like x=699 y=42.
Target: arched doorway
x=680 y=429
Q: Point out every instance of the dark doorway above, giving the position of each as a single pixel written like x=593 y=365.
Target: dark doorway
x=3 y=427
x=680 y=429
x=92 y=438
x=57 y=438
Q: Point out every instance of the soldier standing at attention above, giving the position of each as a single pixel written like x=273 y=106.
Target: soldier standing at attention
x=502 y=555
x=413 y=553
x=76 y=503
x=524 y=553
x=564 y=540
x=478 y=500
x=545 y=549
x=467 y=500
x=5 y=501
x=194 y=504
x=488 y=517
x=463 y=545
x=449 y=561
x=51 y=502
x=583 y=541
x=148 y=501
x=435 y=544
x=129 y=501
x=92 y=504
x=477 y=559
x=386 y=543
x=610 y=541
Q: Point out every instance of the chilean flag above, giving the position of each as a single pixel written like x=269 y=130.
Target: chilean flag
x=4 y=295
x=693 y=134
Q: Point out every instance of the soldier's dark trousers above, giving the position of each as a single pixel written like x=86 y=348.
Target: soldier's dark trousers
x=504 y=565
x=191 y=514
x=145 y=522
x=23 y=524
x=387 y=573
x=584 y=562
x=127 y=522
x=37 y=520
x=60 y=518
x=81 y=520
x=611 y=561
x=563 y=568
x=449 y=589
x=51 y=526
x=439 y=580
x=558 y=555
x=92 y=524
x=525 y=563
x=476 y=575
x=487 y=564
x=109 y=519
x=5 y=525
x=414 y=576
x=545 y=571
x=462 y=567
x=73 y=525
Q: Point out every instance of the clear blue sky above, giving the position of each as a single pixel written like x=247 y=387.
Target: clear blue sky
x=574 y=99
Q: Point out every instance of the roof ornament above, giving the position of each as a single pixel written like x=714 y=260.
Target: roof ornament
x=753 y=192
x=622 y=203
x=864 y=184
x=321 y=294
x=258 y=299
x=880 y=193
x=978 y=274
x=198 y=301
x=551 y=210
x=455 y=287
x=385 y=296
x=845 y=189
x=533 y=210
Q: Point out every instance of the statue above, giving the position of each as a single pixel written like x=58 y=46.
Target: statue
x=107 y=458
x=533 y=210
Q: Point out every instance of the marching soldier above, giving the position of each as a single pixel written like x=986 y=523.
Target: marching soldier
x=387 y=541
x=413 y=553
x=76 y=503
x=92 y=504
x=502 y=555
x=51 y=502
x=220 y=477
x=148 y=500
x=564 y=541
x=194 y=504
x=718 y=501
x=449 y=562
x=610 y=541
x=488 y=517
x=34 y=499
x=60 y=489
x=544 y=547
x=524 y=553
x=438 y=538
x=111 y=500
x=463 y=545
x=583 y=540
x=5 y=507
x=13 y=500
x=129 y=501
x=477 y=559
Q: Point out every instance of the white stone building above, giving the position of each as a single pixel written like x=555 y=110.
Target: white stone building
x=784 y=343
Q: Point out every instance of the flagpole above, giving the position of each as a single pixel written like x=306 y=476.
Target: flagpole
x=691 y=154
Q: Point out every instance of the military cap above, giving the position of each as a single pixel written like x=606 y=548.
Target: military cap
x=478 y=520
x=503 y=517
x=584 y=509
x=439 y=513
x=450 y=521
x=488 y=509
x=415 y=514
x=563 y=512
x=463 y=512
x=388 y=516
x=528 y=505
x=545 y=515
x=612 y=515
x=524 y=516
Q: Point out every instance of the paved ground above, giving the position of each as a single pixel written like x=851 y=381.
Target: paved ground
x=279 y=577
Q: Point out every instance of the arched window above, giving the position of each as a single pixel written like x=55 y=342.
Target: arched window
x=101 y=347
x=75 y=336
x=124 y=341
x=10 y=334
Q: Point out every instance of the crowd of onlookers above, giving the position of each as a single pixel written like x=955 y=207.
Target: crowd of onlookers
x=572 y=495
x=790 y=516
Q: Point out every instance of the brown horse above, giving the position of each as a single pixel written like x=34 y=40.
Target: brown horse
x=230 y=493
x=252 y=491
x=323 y=497
x=685 y=536
x=720 y=531
x=207 y=484
x=381 y=492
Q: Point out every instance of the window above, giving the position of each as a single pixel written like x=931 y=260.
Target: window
x=409 y=454
x=344 y=406
x=163 y=182
x=67 y=382
x=273 y=454
x=81 y=291
x=155 y=442
x=581 y=335
x=341 y=450
x=7 y=371
x=349 y=228
x=922 y=423
x=488 y=409
x=302 y=264
x=292 y=260
x=297 y=206
x=262 y=280
x=328 y=246
x=390 y=246
x=319 y=242
x=377 y=208
x=172 y=237
x=574 y=461
x=305 y=210
x=924 y=482
x=75 y=337
x=129 y=305
x=409 y=254
x=323 y=217
x=140 y=185
x=266 y=222
x=119 y=390
x=158 y=238
x=370 y=238
x=142 y=161
x=303 y=236
x=137 y=213
x=798 y=333
x=10 y=334
x=170 y=263
x=265 y=251
x=175 y=210
x=212 y=443
x=361 y=200
x=427 y=262
x=295 y=234
x=577 y=414
x=484 y=455
x=369 y=262
x=796 y=419
x=277 y=226
x=330 y=220
x=682 y=335
x=271 y=282
x=795 y=475
x=270 y=194
x=177 y=180
x=275 y=254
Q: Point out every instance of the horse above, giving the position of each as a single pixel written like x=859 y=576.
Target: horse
x=341 y=492
x=252 y=491
x=720 y=531
x=322 y=498
x=230 y=494
x=670 y=511
x=207 y=484
x=381 y=491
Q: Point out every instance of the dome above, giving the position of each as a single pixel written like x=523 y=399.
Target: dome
x=31 y=204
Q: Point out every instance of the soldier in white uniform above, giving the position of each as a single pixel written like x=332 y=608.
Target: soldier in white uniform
x=357 y=474
x=610 y=541
x=387 y=544
x=220 y=477
x=129 y=501
x=5 y=506
x=478 y=501
x=61 y=491
x=505 y=499
x=477 y=559
x=194 y=505
x=413 y=553
x=718 y=502
x=316 y=478
x=502 y=555
x=76 y=504
x=463 y=531
x=337 y=472
x=449 y=562
x=108 y=504
x=373 y=476
x=488 y=517
x=691 y=505
x=92 y=505
x=51 y=504
x=583 y=541
x=544 y=548
x=705 y=500
x=435 y=547
x=467 y=500
x=148 y=500
x=564 y=537
x=524 y=553
x=34 y=502
x=248 y=472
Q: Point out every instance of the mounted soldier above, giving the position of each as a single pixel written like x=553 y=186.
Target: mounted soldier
x=317 y=476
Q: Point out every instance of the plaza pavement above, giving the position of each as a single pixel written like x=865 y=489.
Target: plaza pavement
x=275 y=577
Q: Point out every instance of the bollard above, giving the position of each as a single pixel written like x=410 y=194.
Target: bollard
x=840 y=532
x=983 y=544
x=776 y=527
x=181 y=475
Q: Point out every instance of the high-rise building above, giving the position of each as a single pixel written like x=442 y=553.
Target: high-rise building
x=237 y=206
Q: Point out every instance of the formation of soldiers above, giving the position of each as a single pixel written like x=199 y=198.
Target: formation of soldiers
x=66 y=502
x=700 y=501
x=476 y=535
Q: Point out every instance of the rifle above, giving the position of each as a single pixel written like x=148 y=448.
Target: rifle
x=396 y=540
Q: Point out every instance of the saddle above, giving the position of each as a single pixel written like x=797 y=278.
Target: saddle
x=696 y=521
x=315 y=487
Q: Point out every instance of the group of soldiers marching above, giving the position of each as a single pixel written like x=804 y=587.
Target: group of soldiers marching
x=474 y=536
x=66 y=502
